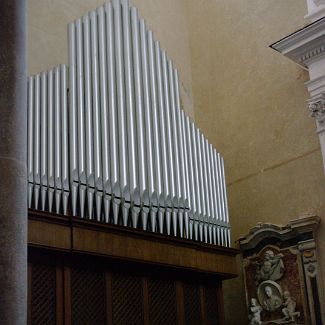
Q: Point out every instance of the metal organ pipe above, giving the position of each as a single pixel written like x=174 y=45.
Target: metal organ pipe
x=112 y=156
x=122 y=145
x=36 y=162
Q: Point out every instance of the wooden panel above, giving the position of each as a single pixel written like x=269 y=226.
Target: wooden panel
x=43 y=295
x=84 y=236
x=88 y=293
x=162 y=302
x=192 y=304
x=211 y=306
x=49 y=235
x=163 y=253
x=180 y=303
x=127 y=300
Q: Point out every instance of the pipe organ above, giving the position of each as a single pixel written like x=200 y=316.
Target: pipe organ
x=108 y=140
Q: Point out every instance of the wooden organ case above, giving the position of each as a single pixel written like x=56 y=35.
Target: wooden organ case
x=128 y=217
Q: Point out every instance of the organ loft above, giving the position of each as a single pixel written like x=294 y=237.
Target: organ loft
x=156 y=163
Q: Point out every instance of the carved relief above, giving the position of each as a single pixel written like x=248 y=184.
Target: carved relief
x=273 y=286
x=282 y=281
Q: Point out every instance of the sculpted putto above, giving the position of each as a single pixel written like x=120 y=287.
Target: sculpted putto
x=289 y=310
x=256 y=309
x=271 y=268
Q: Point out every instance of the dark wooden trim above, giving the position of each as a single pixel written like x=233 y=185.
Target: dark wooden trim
x=109 y=299
x=221 y=310
x=75 y=235
x=67 y=296
x=29 y=298
x=146 y=316
x=129 y=231
x=180 y=303
x=59 y=295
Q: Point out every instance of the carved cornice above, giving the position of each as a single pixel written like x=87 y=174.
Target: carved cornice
x=316 y=106
x=293 y=229
x=305 y=45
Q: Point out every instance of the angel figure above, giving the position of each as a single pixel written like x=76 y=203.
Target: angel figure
x=256 y=309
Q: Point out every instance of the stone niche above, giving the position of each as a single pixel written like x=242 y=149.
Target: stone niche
x=281 y=273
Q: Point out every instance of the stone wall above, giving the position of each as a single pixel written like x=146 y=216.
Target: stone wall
x=251 y=103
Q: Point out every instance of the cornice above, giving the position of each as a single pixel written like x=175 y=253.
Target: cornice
x=304 y=45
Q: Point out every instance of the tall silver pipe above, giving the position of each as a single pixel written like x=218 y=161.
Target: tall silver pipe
x=163 y=141
x=201 y=175
x=174 y=133
x=149 y=136
x=215 y=194
x=97 y=113
x=115 y=132
x=226 y=219
x=157 y=165
x=122 y=116
x=168 y=132
x=57 y=139
x=205 y=178
x=65 y=139
x=210 y=186
x=105 y=49
x=147 y=113
x=142 y=145
x=130 y=108
x=180 y=132
x=73 y=118
x=179 y=202
x=44 y=147
x=196 y=187
x=81 y=118
x=220 y=191
x=186 y=171
x=37 y=146
x=88 y=96
x=30 y=140
x=50 y=139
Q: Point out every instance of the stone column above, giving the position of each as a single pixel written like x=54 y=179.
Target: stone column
x=13 y=179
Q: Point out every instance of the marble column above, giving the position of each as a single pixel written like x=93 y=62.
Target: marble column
x=13 y=179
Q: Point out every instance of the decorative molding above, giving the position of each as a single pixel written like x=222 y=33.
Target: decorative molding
x=316 y=106
x=311 y=55
x=293 y=229
x=304 y=44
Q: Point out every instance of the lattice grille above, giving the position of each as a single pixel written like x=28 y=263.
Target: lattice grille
x=88 y=297
x=211 y=306
x=162 y=302
x=43 y=295
x=192 y=305
x=127 y=300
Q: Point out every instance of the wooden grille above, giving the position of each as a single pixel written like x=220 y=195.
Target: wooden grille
x=127 y=297
x=192 y=304
x=43 y=295
x=162 y=302
x=211 y=306
x=88 y=297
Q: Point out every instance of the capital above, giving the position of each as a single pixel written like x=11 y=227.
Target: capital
x=316 y=107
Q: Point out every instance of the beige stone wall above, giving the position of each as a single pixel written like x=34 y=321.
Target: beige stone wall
x=47 y=33
x=250 y=102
